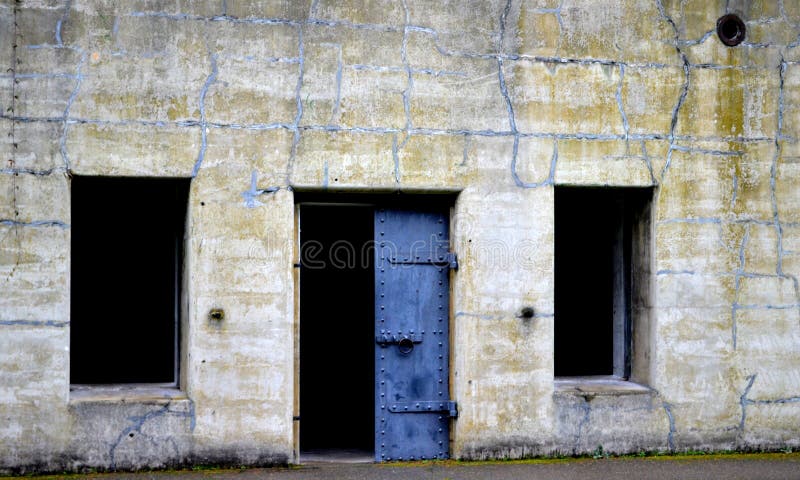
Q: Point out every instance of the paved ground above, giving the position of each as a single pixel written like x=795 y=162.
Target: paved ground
x=727 y=467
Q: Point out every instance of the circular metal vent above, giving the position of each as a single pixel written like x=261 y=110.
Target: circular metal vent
x=731 y=30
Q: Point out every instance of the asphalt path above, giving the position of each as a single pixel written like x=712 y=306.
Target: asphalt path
x=723 y=467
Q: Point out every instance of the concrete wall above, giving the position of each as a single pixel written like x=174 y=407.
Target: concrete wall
x=498 y=100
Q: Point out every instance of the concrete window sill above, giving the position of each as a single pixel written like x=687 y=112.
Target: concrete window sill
x=598 y=385
x=127 y=393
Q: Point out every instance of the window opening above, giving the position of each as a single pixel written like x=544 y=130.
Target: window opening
x=600 y=263
x=126 y=262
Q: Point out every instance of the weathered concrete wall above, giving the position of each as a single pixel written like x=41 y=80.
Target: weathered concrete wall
x=498 y=100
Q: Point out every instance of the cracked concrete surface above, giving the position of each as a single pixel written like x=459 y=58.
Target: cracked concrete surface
x=500 y=100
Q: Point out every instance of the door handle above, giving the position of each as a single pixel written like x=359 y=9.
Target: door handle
x=405 y=341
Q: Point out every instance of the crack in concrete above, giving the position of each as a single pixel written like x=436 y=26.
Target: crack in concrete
x=265 y=21
x=32 y=171
x=137 y=423
x=648 y=162
x=65 y=116
x=620 y=103
x=739 y=273
x=212 y=77
x=774 y=180
x=684 y=88
x=672 y=430
x=667 y=271
x=299 y=102
x=414 y=131
x=743 y=402
x=251 y=195
x=60 y=23
x=587 y=410
x=409 y=81
x=34 y=323
x=509 y=105
x=35 y=223
x=396 y=158
x=337 y=104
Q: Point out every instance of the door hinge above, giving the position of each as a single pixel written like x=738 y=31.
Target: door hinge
x=425 y=407
x=452 y=260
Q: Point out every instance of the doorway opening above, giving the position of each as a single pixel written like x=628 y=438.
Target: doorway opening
x=337 y=365
x=602 y=269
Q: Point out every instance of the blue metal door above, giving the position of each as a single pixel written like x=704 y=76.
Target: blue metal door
x=412 y=402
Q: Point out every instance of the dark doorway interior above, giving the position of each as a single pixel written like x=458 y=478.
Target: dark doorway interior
x=127 y=240
x=585 y=223
x=601 y=268
x=337 y=378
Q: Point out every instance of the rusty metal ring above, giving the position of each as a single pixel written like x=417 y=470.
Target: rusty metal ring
x=405 y=345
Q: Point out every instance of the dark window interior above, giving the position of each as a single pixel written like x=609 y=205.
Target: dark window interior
x=593 y=276
x=337 y=378
x=127 y=236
